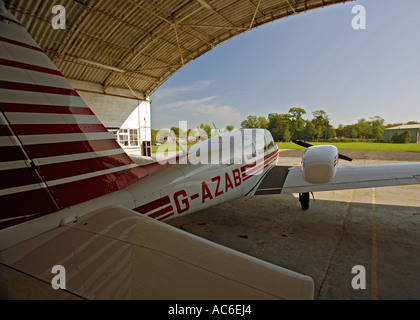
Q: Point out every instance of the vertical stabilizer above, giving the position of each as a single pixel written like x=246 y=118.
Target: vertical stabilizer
x=54 y=152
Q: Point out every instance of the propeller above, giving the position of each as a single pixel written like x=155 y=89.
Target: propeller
x=307 y=145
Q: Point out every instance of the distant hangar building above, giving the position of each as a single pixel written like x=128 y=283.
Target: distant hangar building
x=414 y=130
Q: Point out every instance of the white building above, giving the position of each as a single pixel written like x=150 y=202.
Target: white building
x=125 y=113
x=135 y=133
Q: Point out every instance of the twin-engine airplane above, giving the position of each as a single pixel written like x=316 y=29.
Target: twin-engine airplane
x=71 y=198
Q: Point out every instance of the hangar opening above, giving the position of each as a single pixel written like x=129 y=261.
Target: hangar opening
x=116 y=56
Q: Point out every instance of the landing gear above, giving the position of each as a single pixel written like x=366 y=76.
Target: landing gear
x=304 y=200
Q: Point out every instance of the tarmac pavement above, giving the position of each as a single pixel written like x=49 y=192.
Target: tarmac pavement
x=374 y=230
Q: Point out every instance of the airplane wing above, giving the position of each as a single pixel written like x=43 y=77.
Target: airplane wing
x=291 y=180
x=115 y=253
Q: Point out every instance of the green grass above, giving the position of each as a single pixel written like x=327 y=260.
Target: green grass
x=359 y=146
x=169 y=147
x=340 y=146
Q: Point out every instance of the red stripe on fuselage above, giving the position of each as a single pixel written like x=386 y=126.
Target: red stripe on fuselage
x=160 y=212
x=9 y=223
x=27 y=66
x=269 y=162
x=78 y=167
x=36 y=201
x=252 y=167
x=39 y=108
x=34 y=129
x=20 y=86
x=10 y=20
x=167 y=216
x=20 y=44
x=11 y=153
x=66 y=148
x=153 y=205
x=71 y=193
x=18 y=177
x=5 y=130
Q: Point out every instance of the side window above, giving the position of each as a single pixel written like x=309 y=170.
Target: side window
x=269 y=143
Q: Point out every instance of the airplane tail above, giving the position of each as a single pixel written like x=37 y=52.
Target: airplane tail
x=54 y=151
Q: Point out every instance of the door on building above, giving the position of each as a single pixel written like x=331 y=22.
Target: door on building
x=147 y=149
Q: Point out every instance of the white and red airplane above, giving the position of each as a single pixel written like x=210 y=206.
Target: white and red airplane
x=71 y=197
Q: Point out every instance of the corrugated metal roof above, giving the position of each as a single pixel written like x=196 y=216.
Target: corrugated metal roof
x=141 y=43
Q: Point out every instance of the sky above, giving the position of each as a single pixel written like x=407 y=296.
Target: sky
x=314 y=60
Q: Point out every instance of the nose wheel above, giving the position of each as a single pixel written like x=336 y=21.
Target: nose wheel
x=304 y=200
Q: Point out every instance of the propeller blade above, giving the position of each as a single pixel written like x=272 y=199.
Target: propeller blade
x=307 y=145
x=302 y=144
x=343 y=157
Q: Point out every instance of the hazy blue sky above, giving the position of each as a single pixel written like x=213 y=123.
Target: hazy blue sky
x=314 y=60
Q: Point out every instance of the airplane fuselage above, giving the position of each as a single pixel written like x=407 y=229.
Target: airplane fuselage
x=186 y=188
x=178 y=186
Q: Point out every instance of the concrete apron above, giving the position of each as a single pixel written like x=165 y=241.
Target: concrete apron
x=377 y=229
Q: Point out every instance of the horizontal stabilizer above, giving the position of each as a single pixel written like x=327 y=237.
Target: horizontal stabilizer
x=115 y=253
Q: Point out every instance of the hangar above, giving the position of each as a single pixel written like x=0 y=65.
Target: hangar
x=413 y=129
x=116 y=56
x=105 y=60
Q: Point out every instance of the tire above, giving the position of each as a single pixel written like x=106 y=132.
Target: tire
x=304 y=200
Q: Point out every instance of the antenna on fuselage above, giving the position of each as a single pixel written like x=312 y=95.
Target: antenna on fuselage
x=217 y=130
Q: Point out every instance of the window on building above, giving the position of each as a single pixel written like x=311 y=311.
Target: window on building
x=134 y=138
x=123 y=137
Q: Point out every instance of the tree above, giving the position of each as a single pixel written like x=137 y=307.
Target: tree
x=262 y=123
x=250 y=122
x=229 y=127
x=297 y=123
x=176 y=131
x=254 y=122
x=364 y=130
x=278 y=124
x=340 y=130
x=308 y=133
x=353 y=131
x=321 y=123
x=378 y=125
x=331 y=133
x=153 y=134
x=206 y=128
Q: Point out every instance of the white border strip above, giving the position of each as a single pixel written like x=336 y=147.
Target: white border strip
x=18 y=164
x=50 y=118
x=77 y=156
x=161 y=208
x=29 y=187
x=9 y=141
x=65 y=137
x=57 y=182
x=29 y=97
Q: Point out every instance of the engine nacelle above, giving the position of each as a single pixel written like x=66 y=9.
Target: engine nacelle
x=319 y=164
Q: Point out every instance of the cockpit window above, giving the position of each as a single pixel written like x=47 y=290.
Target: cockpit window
x=268 y=140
